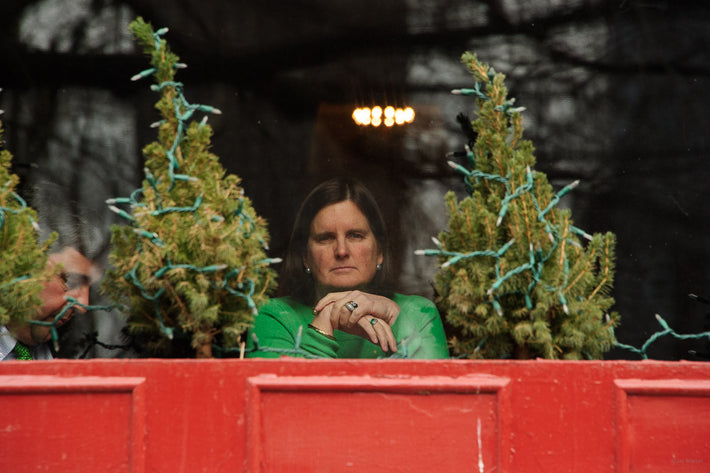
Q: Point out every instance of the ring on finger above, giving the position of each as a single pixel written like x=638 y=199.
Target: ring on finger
x=373 y=321
x=351 y=306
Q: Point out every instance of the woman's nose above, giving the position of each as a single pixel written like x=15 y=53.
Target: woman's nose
x=341 y=248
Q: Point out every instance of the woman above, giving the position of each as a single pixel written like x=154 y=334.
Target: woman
x=338 y=298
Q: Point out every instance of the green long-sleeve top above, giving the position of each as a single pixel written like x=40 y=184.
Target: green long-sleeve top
x=418 y=330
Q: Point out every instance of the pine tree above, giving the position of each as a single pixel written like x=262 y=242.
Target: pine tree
x=515 y=280
x=23 y=260
x=191 y=264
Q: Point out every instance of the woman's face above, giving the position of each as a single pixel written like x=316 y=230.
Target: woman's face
x=342 y=252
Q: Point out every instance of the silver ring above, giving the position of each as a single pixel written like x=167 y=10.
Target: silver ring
x=351 y=306
x=373 y=321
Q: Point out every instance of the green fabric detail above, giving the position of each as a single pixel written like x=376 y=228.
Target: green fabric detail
x=418 y=330
x=22 y=351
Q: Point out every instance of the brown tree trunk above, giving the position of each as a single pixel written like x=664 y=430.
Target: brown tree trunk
x=204 y=350
x=521 y=352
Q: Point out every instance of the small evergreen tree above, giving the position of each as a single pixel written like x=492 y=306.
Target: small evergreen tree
x=191 y=265
x=515 y=281
x=23 y=260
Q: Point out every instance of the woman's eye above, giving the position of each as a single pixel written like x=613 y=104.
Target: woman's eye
x=357 y=236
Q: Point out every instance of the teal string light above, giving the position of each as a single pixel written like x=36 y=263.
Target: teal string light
x=527 y=187
x=171 y=179
x=14 y=210
x=480 y=93
x=475 y=173
x=71 y=303
x=455 y=256
x=502 y=278
x=556 y=199
x=205 y=269
x=151 y=236
x=667 y=331
x=476 y=91
x=183 y=209
x=245 y=290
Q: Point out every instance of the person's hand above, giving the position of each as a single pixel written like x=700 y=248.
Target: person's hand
x=366 y=315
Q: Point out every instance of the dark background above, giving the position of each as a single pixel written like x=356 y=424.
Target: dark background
x=616 y=95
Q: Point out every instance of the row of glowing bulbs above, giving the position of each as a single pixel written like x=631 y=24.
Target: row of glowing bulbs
x=389 y=116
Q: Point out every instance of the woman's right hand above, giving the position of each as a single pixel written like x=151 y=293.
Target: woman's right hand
x=371 y=319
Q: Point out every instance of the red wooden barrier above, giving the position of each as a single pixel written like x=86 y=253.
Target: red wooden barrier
x=354 y=416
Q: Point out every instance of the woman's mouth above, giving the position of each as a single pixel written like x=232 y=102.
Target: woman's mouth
x=342 y=269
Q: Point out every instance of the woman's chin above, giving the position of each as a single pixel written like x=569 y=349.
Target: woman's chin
x=341 y=286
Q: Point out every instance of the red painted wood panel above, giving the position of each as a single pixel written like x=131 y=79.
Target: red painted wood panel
x=336 y=423
x=347 y=415
x=53 y=423
x=663 y=425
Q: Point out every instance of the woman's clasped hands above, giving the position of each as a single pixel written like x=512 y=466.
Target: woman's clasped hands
x=359 y=313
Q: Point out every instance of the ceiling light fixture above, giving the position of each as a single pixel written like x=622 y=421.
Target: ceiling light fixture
x=389 y=116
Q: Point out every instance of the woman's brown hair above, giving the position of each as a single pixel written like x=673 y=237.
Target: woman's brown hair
x=294 y=281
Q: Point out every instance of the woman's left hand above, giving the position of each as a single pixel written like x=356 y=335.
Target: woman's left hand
x=363 y=303
x=360 y=313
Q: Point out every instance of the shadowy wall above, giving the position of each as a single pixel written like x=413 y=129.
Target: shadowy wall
x=615 y=92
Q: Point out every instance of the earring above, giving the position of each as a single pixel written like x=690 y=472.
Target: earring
x=379 y=267
x=307 y=270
